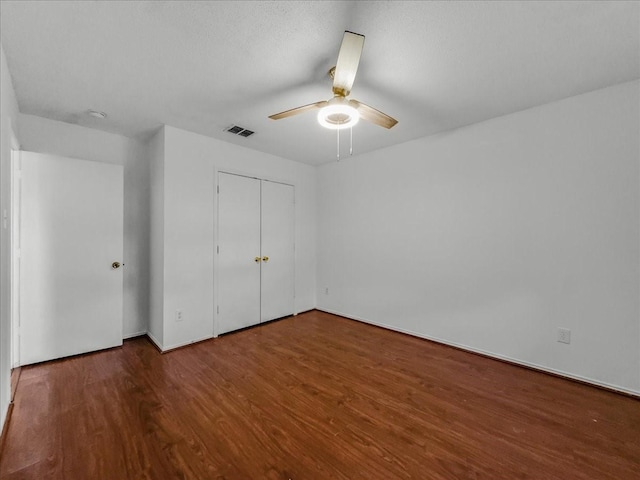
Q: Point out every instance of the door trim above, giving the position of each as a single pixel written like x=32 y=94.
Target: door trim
x=14 y=226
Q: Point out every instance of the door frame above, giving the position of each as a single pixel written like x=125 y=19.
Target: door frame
x=14 y=227
x=216 y=172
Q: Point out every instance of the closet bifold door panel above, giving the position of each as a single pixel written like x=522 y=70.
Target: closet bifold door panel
x=238 y=252
x=256 y=258
x=277 y=285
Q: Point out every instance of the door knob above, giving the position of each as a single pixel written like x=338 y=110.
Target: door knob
x=265 y=259
x=257 y=259
x=115 y=265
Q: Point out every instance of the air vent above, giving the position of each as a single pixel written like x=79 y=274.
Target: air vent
x=237 y=130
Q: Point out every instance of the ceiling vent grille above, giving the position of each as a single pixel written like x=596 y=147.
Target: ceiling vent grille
x=237 y=130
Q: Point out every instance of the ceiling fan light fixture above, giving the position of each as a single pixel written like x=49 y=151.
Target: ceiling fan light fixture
x=338 y=116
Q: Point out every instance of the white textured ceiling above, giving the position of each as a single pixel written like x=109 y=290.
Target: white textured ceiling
x=203 y=66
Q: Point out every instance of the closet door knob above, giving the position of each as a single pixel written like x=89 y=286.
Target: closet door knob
x=257 y=259
x=265 y=259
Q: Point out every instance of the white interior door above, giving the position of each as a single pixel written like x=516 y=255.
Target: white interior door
x=238 y=300
x=71 y=233
x=278 y=236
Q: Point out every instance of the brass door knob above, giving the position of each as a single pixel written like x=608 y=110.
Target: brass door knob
x=257 y=259
x=265 y=259
x=115 y=265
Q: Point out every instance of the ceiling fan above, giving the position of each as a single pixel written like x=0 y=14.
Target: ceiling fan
x=341 y=112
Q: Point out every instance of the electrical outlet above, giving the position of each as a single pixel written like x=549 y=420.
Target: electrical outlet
x=326 y=290
x=178 y=315
x=564 y=335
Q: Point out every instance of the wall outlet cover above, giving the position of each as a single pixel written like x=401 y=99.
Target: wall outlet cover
x=564 y=335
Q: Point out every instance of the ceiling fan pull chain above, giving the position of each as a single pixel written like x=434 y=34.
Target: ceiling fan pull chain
x=338 y=143
x=351 y=141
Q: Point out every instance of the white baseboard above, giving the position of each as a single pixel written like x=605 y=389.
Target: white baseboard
x=155 y=341
x=183 y=344
x=133 y=335
x=515 y=361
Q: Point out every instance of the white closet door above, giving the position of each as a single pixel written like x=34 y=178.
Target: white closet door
x=239 y=247
x=72 y=233
x=278 y=265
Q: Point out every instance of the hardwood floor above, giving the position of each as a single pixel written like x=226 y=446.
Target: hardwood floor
x=312 y=397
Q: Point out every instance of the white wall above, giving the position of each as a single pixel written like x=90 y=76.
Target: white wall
x=492 y=236
x=190 y=163
x=156 y=245
x=8 y=118
x=58 y=138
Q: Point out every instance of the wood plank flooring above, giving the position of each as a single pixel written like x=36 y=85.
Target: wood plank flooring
x=312 y=397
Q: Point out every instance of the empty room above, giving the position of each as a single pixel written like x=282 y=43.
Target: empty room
x=295 y=240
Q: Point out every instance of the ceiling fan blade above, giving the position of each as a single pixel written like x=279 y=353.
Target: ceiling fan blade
x=347 y=65
x=372 y=115
x=297 y=110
